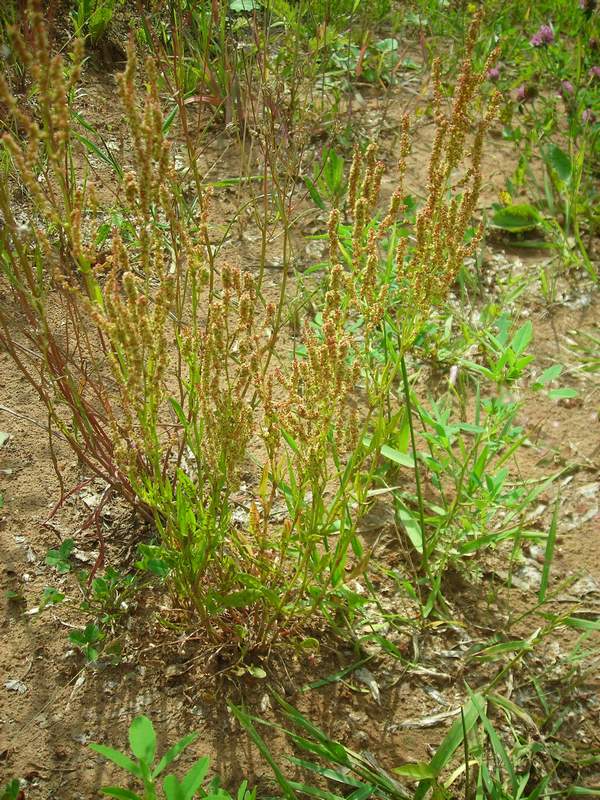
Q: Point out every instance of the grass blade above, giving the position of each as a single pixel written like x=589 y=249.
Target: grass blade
x=455 y=736
x=246 y=722
x=549 y=554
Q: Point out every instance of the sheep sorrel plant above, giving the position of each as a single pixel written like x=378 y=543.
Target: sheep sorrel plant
x=168 y=372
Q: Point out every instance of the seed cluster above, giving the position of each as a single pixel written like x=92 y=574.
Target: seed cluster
x=427 y=263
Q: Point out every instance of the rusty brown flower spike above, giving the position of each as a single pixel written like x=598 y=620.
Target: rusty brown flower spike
x=426 y=269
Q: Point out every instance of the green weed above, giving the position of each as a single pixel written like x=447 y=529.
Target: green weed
x=147 y=770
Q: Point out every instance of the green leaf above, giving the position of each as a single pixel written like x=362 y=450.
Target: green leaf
x=314 y=193
x=121 y=794
x=244 y=5
x=415 y=771
x=469 y=428
x=256 y=672
x=98 y=22
x=582 y=624
x=478 y=368
x=497 y=746
x=105 y=156
x=411 y=526
x=179 y=411
x=91 y=653
x=460 y=728
x=562 y=393
x=241 y=792
x=336 y=676
x=325 y=772
x=173 y=752
x=494 y=651
x=516 y=218
x=290 y=440
x=521 y=363
x=89 y=635
x=59 y=559
x=392 y=454
x=172 y=788
x=560 y=163
x=51 y=597
x=4 y=437
x=11 y=791
x=522 y=337
x=549 y=553
x=218 y=794
x=309 y=643
x=247 y=722
x=241 y=599
x=142 y=739
x=547 y=376
x=387 y=45
x=120 y=759
x=512 y=708
x=193 y=778
x=168 y=121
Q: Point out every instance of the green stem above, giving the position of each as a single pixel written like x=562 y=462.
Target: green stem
x=424 y=558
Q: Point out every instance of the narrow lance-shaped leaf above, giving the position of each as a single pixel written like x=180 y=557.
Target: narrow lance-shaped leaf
x=120 y=759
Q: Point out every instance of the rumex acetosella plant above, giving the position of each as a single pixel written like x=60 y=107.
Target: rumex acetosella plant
x=165 y=371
